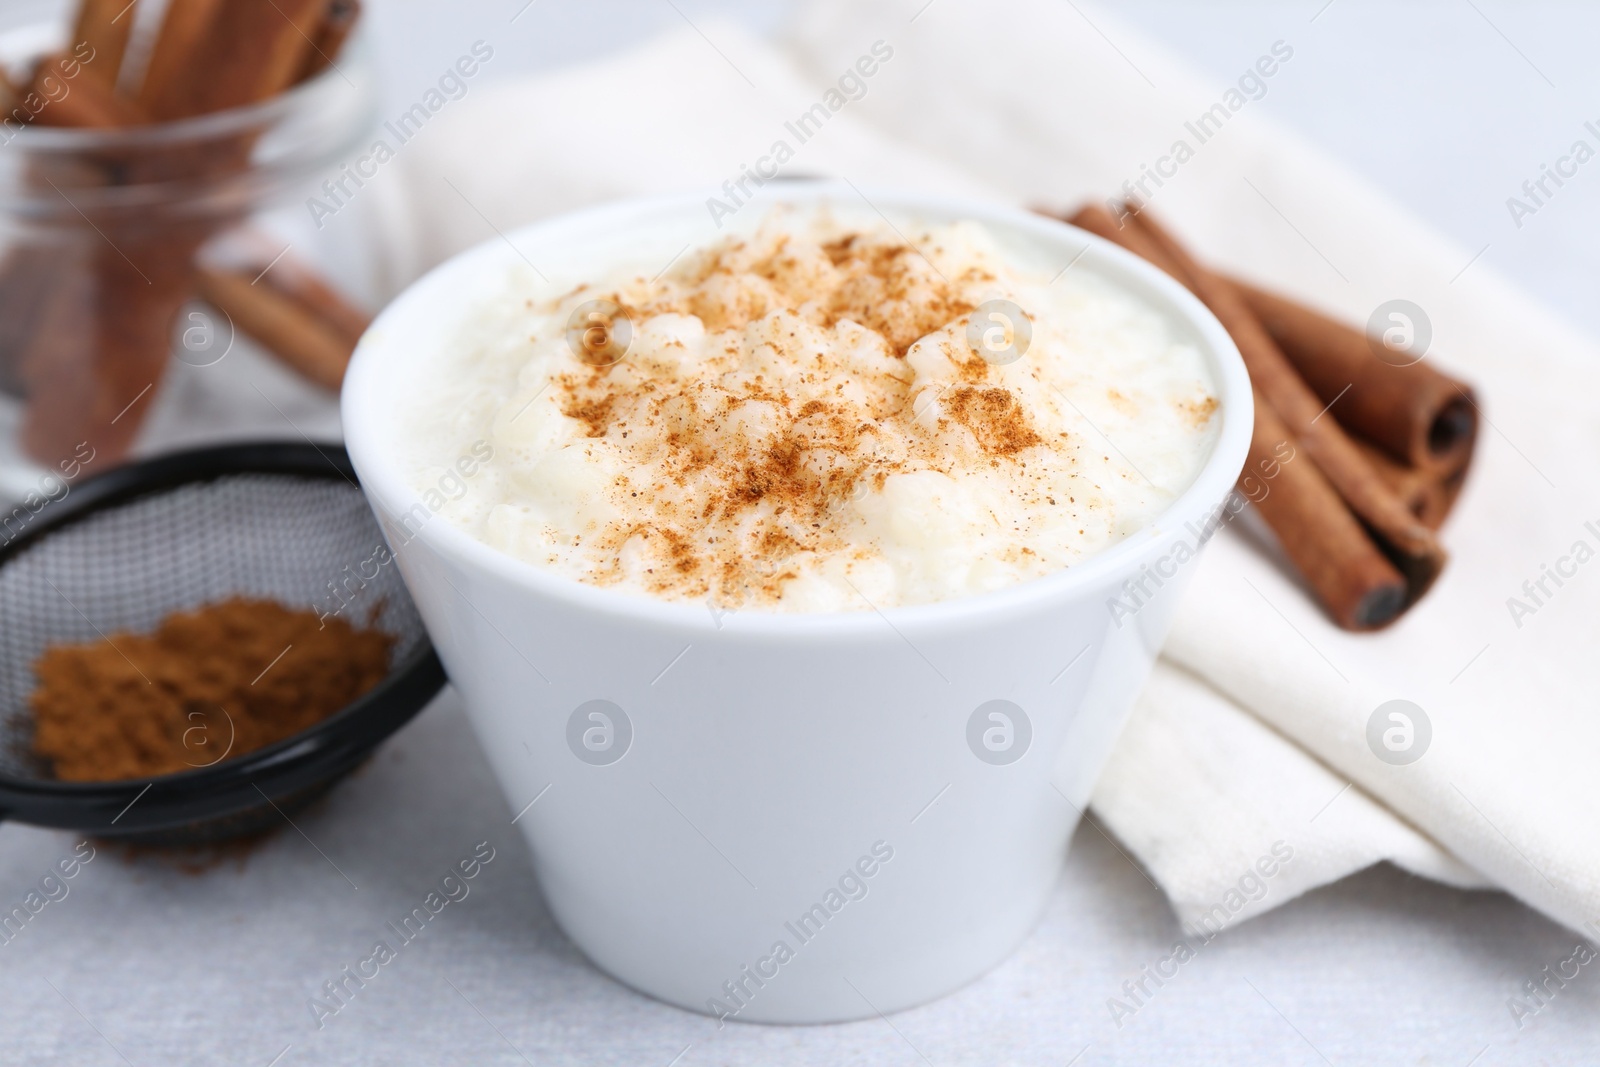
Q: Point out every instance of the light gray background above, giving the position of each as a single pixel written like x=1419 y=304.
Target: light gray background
x=1447 y=105
x=1444 y=103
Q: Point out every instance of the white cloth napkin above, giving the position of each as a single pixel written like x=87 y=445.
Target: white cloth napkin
x=1076 y=108
x=1251 y=740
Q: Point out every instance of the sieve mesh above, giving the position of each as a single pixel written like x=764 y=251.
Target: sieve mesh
x=279 y=537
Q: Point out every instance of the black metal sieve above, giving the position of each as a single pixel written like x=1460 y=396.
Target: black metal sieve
x=121 y=551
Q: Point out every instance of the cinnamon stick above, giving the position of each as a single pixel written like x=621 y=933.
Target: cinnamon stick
x=297 y=282
x=15 y=305
x=102 y=346
x=97 y=346
x=29 y=277
x=298 y=315
x=184 y=27
x=105 y=27
x=1098 y=221
x=92 y=364
x=89 y=103
x=1360 y=589
x=1408 y=544
x=33 y=272
x=25 y=278
x=248 y=51
x=294 y=334
x=1421 y=491
x=263 y=260
x=10 y=95
x=1418 y=415
x=1450 y=489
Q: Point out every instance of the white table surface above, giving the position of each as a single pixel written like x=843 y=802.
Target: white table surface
x=166 y=967
x=1450 y=106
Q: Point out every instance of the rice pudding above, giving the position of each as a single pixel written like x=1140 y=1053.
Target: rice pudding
x=815 y=416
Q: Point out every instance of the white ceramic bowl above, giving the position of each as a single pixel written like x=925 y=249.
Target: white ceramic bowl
x=803 y=781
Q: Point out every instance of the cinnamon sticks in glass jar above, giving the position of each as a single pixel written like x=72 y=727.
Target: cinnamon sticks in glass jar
x=126 y=181
x=1383 y=444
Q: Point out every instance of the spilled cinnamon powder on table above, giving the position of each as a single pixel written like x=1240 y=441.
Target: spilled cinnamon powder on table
x=210 y=684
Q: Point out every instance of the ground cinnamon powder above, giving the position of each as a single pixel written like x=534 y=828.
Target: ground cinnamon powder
x=207 y=685
x=790 y=442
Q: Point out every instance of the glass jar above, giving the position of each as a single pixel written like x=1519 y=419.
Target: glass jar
x=110 y=239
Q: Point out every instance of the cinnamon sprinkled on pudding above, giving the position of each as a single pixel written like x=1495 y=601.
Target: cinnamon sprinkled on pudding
x=801 y=422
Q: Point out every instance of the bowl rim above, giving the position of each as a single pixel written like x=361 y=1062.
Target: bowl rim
x=408 y=687
x=367 y=406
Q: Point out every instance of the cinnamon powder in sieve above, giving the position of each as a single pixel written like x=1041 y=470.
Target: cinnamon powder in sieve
x=207 y=685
